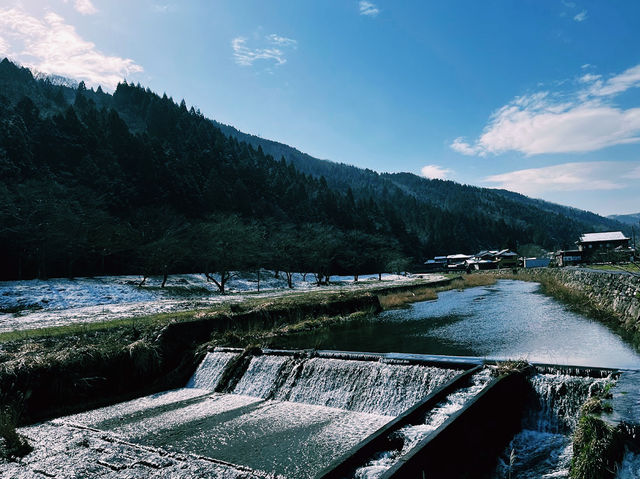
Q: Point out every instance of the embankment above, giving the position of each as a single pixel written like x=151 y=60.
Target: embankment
x=612 y=297
x=54 y=374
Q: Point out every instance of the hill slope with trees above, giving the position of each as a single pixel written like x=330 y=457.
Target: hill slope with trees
x=133 y=182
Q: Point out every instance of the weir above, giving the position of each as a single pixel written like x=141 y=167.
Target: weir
x=326 y=414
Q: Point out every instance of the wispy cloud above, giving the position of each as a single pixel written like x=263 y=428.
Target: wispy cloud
x=630 y=78
x=85 y=7
x=368 y=8
x=51 y=45
x=436 y=172
x=163 y=7
x=283 y=41
x=461 y=146
x=5 y=51
x=634 y=174
x=581 y=120
x=581 y=17
x=273 y=50
x=589 y=78
x=577 y=176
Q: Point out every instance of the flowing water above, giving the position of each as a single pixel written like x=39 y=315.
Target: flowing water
x=286 y=415
x=409 y=436
x=511 y=319
x=630 y=467
x=543 y=448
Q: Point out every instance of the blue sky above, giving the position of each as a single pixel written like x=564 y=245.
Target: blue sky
x=540 y=97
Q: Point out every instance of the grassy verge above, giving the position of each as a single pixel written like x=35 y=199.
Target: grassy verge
x=631 y=268
x=262 y=338
x=150 y=323
x=404 y=298
x=597 y=446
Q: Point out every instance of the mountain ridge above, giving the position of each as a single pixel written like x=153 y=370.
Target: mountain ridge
x=133 y=180
x=342 y=176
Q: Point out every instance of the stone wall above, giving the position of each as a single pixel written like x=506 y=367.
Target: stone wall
x=617 y=294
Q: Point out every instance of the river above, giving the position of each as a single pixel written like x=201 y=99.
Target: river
x=507 y=320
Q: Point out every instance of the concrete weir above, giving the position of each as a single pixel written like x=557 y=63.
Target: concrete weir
x=324 y=414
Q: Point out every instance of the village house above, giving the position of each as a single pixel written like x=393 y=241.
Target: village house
x=568 y=257
x=607 y=246
x=487 y=259
x=507 y=259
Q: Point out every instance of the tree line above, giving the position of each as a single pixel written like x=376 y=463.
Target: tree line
x=83 y=192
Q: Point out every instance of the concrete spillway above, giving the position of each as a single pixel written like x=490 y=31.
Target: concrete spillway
x=282 y=414
x=329 y=414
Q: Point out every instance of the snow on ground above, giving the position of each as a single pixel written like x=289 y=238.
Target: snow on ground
x=36 y=303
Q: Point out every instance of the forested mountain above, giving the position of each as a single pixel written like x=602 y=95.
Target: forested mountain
x=133 y=182
x=448 y=195
x=631 y=219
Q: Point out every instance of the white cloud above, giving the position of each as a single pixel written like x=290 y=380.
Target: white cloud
x=629 y=78
x=562 y=122
x=589 y=78
x=246 y=56
x=463 y=147
x=368 y=8
x=52 y=46
x=435 y=172
x=163 y=8
x=284 y=41
x=4 y=48
x=85 y=7
x=581 y=17
x=578 y=176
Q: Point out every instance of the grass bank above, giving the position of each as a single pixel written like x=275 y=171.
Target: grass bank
x=598 y=447
x=629 y=268
x=400 y=299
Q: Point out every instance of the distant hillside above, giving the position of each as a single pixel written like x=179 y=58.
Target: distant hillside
x=134 y=182
x=631 y=219
x=513 y=208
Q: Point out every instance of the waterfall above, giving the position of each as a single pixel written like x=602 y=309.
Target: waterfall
x=355 y=385
x=409 y=436
x=544 y=448
x=210 y=370
x=558 y=401
x=363 y=386
x=264 y=375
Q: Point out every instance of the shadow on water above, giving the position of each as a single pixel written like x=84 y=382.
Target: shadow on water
x=511 y=319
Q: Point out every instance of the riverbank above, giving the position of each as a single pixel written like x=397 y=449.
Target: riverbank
x=53 y=371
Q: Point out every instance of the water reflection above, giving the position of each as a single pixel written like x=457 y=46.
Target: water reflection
x=511 y=319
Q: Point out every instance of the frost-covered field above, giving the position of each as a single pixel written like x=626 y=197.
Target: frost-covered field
x=36 y=303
